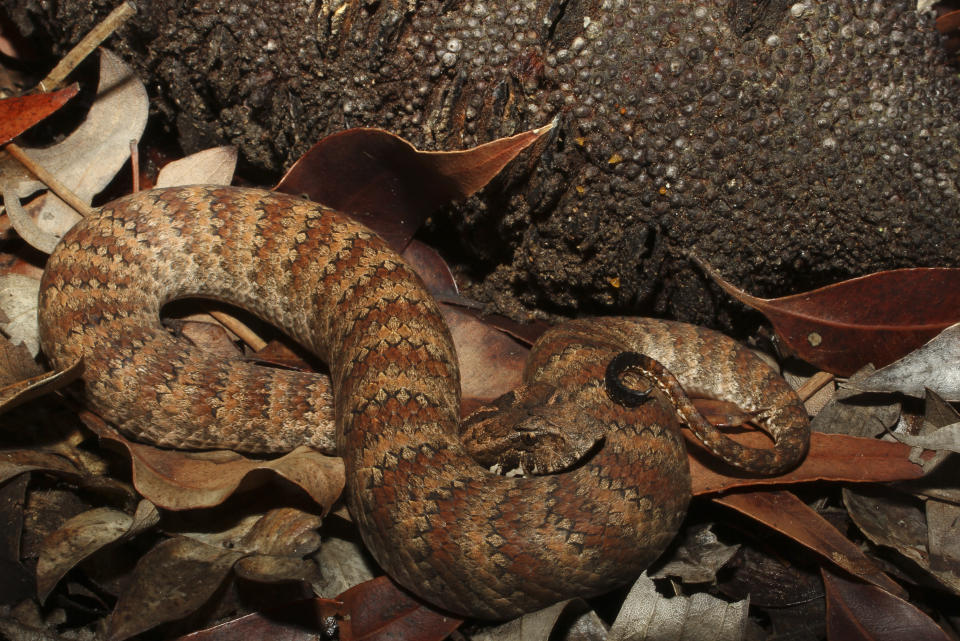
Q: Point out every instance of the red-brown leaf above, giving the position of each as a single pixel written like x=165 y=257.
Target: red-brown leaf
x=784 y=512
x=832 y=457
x=858 y=612
x=390 y=186
x=380 y=611
x=876 y=318
x=20 y=113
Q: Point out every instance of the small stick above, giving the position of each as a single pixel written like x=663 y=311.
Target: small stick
x=246 y=334
x=89 y=42
x=813 y=385
x=49 y=180
x=135 y=165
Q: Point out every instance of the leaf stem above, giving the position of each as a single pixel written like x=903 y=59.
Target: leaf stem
x=44 y=176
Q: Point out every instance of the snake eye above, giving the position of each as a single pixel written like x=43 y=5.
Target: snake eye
x=616 y=390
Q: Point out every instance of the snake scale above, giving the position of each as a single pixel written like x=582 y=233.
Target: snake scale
x=465 y=539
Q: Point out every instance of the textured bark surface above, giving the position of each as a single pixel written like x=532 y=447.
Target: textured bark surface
x=790 y=144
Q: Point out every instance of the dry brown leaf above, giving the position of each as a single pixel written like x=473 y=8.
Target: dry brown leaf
x=170 y=581
x=19 y=113
x=36 y=386
x=389 y=185
x=14 y=462
x=858 y=612
x=379 y=611
x=648 y=616
x=832 y=457
x=785 y=513
x=84 y=535
x=850 y=415
x=189 y=480
x=876 y=318
x=16 y=363
x=897 y=522
x=213 y=166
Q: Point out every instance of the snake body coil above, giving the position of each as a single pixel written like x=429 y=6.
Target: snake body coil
x=472 y=542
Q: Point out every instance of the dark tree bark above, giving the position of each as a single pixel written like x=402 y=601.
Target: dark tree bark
x=789 y=144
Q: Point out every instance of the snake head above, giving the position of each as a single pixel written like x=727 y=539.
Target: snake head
x=537 y=428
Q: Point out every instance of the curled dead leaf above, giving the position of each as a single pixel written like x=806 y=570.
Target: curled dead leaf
x=189 y=480
x=876 y=318
x=28 y=389
x=84 y=535
x=16 y=462
x=389 y=185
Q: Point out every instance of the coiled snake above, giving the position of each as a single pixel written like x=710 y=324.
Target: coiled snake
x=469 y=541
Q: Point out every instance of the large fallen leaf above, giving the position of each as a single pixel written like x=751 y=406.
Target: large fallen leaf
x=846 y=414
x=897 y=522
x=934 y=366
x=22 y=112
x=386 y=183
x=648 y=616
x=16 y=363
x=170 y=581
x=181 y=574
x=88 y=159
x=85 y=534
x=872 y=319
x=380 y=611
x=213 y=166
x=784 y=512
x=832 y=457
x=858 y=612
x=188 y=480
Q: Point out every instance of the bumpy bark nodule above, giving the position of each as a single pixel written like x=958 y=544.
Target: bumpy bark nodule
x=790 y=144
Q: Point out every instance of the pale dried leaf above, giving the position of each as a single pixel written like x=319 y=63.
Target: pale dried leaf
x=18 y=302
x=27 y=227
x=697 y=558
x=648 y=616
x=213 y=166
x=934 y=366
x=85 y=534
x=943 y=439
x=570 y=620
x=943 y=542
x=89 y=158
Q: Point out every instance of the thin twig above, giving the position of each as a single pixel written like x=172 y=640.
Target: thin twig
x=135 y=165
x=246 y=334
x=89 y=42
x=49 y=180
x=814 y=384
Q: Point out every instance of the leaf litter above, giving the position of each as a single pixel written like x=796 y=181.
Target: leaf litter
x=182 y=572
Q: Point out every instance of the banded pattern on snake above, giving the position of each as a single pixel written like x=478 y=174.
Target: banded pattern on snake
x=467 y=540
